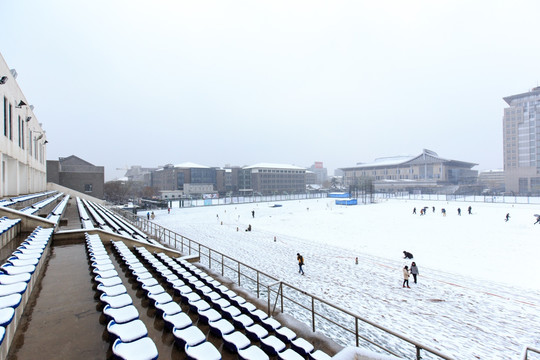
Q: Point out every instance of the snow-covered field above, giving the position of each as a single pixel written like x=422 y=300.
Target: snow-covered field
x=478 y=293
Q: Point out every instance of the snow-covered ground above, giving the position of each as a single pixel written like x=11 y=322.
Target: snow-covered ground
x=478 y=293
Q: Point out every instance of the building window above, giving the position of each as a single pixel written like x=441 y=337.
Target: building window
x=5 y=116
x=87 y=187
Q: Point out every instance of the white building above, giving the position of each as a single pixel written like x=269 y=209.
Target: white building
x=521 y=142
x=23 y=149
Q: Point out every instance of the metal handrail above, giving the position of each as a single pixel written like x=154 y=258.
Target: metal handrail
x=526 y=350
x=211 y=257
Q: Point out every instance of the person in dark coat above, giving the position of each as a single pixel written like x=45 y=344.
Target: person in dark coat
x=414 y=271
x=470 y=210
x=300 y=259
x=414 y=211
x=253 y=213
x=407 y=254
x=537 y=219
x=248 y=228
x=507 y=217
x=459 y=211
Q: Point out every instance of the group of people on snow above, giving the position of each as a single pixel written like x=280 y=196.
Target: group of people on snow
x=443 y=210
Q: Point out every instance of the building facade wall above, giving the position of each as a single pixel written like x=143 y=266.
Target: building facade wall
x=23 y=142
x=521 y=142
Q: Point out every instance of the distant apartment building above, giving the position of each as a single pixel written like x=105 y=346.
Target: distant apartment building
x=23 y=142
x=321 y=173
x=269 y=179
x=426 y=171
x=191 y=178
x=137 y=173
x=492 y=180
x=77 y=174
x=521 y=142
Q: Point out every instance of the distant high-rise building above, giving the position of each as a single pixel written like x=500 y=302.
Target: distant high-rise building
x=321 y=173
x=521 y=142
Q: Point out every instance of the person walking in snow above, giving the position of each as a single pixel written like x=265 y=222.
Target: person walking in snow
x=443 y=210
x=414 y=271
x=253 y=213
x=469 y=209
x=433 y=209
x=537 y=219
x=152 y=215
x=300 y=259
x=414 y=211
x=406 y=277
x=148 y=215
x=507 y=217
x=459 y=211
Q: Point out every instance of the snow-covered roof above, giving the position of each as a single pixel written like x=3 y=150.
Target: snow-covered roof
x=274 y=166
x=387 y=161
x=190 y=165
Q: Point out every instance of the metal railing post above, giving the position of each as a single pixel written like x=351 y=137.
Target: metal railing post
x=222 y=265
x=238 y=274
x=313 y=313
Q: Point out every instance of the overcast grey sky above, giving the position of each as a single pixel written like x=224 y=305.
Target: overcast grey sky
x=240 y=82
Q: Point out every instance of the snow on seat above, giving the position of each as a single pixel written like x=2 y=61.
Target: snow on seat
x=198 y=305
x=177 y=321
x=213 y=297
x=148 y=282
x=270 y=324
x=15 y=288
x=21 y=262
x=242 y=321
x=252 y=353
x=247 y=308
x=220 y=303
x=235 y=341
x=285 y=334
x=272 y=345
x=154 y=289
x=121 y=315
x=256 y=332
x=221 y=327
x=21 y=255
x=190 y=335
x=112 y=290
x=169 y=308
x=10 y=279
x=107 y=273
x=206 y=351
x=230 y=312
x=12 y=300
x=6 y=315
x=208 y=315
x=117 y=301
x=105 y=260
x=258 y=315
x=290 y=354
x=11 y=269
x=142 y=274
x=302 y=346
x=108 y=281
x=142 y=349
x=104 y=266
x=127 y=332
x=319 y=355
x=161 y=298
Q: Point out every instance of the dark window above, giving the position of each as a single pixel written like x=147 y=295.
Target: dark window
x=87 y=187
x=10 y=124
x=5 y=116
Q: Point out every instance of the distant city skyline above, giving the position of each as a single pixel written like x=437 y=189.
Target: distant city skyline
x=287 y=82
